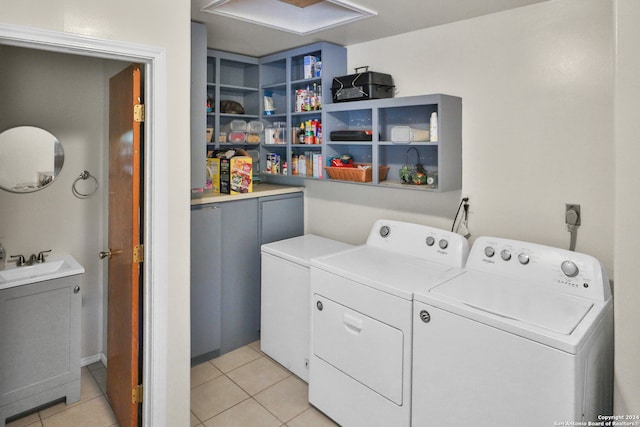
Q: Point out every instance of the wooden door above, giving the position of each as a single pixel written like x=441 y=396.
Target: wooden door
x=125 y=234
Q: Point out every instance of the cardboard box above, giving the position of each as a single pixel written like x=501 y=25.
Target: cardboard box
x=232 y=175
x=309 y=66
x=213 y=175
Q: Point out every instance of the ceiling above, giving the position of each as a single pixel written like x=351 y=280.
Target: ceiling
x=394 y=17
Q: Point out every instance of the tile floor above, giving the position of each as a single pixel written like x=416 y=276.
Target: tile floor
x=91 y=410
x=243 y=388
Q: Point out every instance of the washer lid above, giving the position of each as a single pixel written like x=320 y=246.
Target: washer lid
x=301 y=249
x=513 y=300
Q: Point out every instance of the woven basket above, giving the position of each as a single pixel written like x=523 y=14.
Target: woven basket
x=356 y=174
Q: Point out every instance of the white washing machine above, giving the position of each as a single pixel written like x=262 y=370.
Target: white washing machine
x=285 y=294
x=361 y=322
x=524 y=337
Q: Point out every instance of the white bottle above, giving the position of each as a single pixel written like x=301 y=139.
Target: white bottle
x=433 y=127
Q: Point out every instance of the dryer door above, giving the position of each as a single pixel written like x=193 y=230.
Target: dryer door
x=364 y=348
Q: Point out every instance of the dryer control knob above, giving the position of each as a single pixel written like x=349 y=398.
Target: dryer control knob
x=569 y=268
x=385 y=231
x=505 y=255
x=443 y=244
x=425 y=316
x=523 y=258
x=319 y=305
x=430 y=241
x=489 y=251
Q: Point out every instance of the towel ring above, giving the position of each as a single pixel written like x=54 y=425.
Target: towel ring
x=84 y=175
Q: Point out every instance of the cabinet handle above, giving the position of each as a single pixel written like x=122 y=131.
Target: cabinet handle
x=76 y=289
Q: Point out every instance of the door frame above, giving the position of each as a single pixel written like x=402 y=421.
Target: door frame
x=155 y=298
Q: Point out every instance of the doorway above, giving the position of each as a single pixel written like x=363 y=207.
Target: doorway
x=155 y=206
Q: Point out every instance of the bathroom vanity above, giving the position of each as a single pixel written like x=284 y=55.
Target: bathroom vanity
x=39 y=335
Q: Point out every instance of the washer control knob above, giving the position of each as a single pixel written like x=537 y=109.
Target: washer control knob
x=523 y=258
x=569 y=268
x=489 y=251
x=505 y=255
x=319 y=305
x=385 y=231
x=425 y=316
x=430 y=241
x=443 y=244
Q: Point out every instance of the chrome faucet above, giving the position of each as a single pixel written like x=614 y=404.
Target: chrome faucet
x=20 y=261
x=41 y=255
x=33 y=258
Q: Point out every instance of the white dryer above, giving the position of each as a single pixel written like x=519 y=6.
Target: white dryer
x=361 y=322
x=524 y=337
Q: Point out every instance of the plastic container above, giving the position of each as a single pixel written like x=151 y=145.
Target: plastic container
x=237 y=137
x=238 y=126
x=406 y=134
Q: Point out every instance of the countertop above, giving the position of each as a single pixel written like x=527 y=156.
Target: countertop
x=259 y=190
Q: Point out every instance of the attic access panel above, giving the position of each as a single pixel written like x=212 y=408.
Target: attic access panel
x=313 y=16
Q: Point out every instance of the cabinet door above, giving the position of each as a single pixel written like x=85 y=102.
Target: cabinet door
x=240 y=274
x=39 y=339
x=198 y=104
x=206 y=281
x=281 y=217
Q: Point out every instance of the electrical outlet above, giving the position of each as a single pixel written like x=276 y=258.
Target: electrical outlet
x=572 y=215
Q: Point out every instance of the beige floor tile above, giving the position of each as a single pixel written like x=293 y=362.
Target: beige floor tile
x=88 y=387
x=215 y=396
x=311 y=418
x=100 y=375
x=247 y=413
x=256 y=346
x=96 y=366
x=286 y=399
x=202 y=373
x=258 y=375
x=26 y=421
x=94 y=413
x=194 y=420
x=235 y=358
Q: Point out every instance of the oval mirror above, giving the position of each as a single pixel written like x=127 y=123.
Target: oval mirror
x=30 y=159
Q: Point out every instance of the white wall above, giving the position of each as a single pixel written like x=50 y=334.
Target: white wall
x=537 y=125
x=164 y=24
x=64 y=95
x=627 y=208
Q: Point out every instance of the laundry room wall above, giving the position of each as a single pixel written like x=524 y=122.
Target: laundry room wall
x=537 y=126
x=63 y=94
x=164 y=24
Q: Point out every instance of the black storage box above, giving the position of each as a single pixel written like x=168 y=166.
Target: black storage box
x=351 y=135
x=361 y=86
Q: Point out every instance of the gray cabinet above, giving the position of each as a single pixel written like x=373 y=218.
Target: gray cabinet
x=225 y=267
x=39 y=345
x=281 y=217
x=240 y=274
x=206 y=281
x=282 y=75
x=442 y=159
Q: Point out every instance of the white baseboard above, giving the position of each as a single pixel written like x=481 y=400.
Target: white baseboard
x=100 y=357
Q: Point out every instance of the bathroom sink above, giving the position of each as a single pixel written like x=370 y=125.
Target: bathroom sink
x=52 y=268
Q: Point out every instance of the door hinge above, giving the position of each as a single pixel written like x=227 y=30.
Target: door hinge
x=138 y=113
x=136 y=394
x=138 y=254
